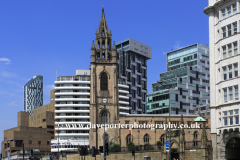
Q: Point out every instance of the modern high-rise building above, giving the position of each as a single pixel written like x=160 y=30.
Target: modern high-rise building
x=225 y=80
x=185 y=85
x=132 y=59
x=72 y=97
x=33 y=94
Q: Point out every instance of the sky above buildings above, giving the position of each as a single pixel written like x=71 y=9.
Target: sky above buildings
x=42 y=36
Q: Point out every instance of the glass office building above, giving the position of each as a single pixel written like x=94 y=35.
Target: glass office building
x=33 y=94
x=185 y=85
x=132 y=59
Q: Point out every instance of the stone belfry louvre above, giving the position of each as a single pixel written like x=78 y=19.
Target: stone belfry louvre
x=104 y=84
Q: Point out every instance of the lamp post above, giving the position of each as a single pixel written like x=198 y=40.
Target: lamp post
x=104 y=110
x=168 y=87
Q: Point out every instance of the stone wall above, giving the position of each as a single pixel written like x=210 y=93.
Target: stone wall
x=123 y=156
x=197 y=154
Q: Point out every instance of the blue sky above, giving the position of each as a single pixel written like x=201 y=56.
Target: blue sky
x=42 y=36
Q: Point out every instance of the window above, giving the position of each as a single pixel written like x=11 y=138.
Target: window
x=234 y=8
x=237 y=120
x=195 y=135
x=30 y=141
x=235 y=48
x=235 y=70
x=225 y=121
x=224 y=51
x=225 y=113
x=48 y=142
x=225 y=94
x=236 y=93
x=104 y=117
x=230 y=112
x=146 y=138
x=223 y=14
x=234 y=28
x=231 y=120
x=39 y=142
x=230 y=71
x=224 y=73
x=230 y=93
x=229 y=30
x=224 y=32
x=229 y=50
x=236 y=111
x=162 y=139
x=104 y=81
x=128 y=139
x=229 y=11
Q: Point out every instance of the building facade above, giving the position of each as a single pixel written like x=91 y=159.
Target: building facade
x=33 y=94
x=43 y=117
x=72 y=96
x=72 y=107
x=132 y=59
x=32 y=138
x=225 y=81
x=185 y=85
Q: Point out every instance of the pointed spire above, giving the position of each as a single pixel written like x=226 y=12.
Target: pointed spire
x=114 y=46
x=103 y=28
x=93 y=46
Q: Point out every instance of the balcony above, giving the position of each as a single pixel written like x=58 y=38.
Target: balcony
x=72 y=99
x=72 y=105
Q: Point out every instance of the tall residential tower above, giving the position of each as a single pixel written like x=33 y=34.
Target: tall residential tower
x=33 y=94
x=132 y=59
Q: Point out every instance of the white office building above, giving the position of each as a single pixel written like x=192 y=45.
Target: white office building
x=224 y=40
x=72 y=98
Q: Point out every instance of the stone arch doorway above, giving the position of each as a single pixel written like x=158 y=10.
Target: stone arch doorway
x=232 y=149
x=174 y=149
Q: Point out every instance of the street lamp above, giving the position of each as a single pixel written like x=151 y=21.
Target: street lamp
x=104 y=111
x=168 y=87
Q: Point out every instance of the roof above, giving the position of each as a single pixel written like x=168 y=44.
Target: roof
x=199 y=119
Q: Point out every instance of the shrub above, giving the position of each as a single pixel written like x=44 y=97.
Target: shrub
x=114 y=147
x=173 y=149
x=130 y=145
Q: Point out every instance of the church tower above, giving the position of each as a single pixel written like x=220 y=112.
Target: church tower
x=104 y=85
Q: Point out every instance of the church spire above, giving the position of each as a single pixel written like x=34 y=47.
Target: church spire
x=103 y=28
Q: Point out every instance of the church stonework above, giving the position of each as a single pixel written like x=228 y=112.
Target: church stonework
x=104 y=85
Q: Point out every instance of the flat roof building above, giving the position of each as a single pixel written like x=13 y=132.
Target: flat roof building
x=185 y=85
x=132 y=59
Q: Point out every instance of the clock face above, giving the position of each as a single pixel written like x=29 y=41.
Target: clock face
x=104 y=100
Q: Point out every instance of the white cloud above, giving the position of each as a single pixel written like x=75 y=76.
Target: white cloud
x=51 y=86
x=5 y=61
x=7 y=93
x=8 y=74
x=177 y=45
x=12 y=104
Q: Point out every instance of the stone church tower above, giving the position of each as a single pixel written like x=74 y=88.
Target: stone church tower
x=104 y=85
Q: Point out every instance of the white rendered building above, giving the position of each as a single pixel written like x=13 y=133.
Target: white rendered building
x=224 y=43
x=72 y=109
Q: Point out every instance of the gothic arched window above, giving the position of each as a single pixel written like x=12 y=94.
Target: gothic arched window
x=104 y=117
x=128 y=139
x=146 y=138
x=104 y=81
x=195 y=135
x=162 y=139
